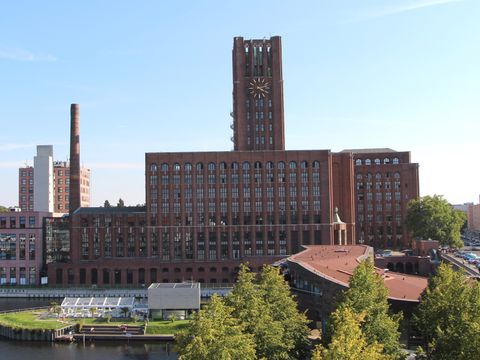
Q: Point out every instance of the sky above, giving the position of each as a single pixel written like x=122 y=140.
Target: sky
x=155 y=76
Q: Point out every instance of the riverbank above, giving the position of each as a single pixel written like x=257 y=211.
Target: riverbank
x=42 y=325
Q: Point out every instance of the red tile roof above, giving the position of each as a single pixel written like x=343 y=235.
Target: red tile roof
x=336 y=263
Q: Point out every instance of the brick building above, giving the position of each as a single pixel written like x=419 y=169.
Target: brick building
x=21 y=247
x=385 y=181
x=61 y=188
x=207 y=212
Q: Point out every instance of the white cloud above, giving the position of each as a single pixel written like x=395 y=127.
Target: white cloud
x=25 y=55
x=403 y=7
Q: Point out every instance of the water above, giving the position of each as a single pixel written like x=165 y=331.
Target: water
x=111 y=350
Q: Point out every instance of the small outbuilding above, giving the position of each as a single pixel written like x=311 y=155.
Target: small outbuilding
x=177 y=299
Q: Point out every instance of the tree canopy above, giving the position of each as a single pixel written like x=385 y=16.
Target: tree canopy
x=3 y=208
x=348 y=341
x=367 y=298
x=120 y=203
x=432 y=217
x=264 y=309
x=107 y=204
x=215 y=334
x=448 y=316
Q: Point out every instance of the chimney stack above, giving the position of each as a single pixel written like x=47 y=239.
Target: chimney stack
x=74 y=158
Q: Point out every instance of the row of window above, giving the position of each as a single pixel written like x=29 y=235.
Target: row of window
x=22 y=279
x=377 y=161
x=15 y=222
x=378 y=175
x=211 y=166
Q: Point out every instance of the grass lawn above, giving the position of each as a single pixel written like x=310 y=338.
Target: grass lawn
x=32 y=320
x=29 y=320
x=166 y=327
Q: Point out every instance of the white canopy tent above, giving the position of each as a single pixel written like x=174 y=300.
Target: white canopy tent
x=96 y=306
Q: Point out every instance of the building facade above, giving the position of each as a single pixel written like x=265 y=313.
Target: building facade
x=385 y=181
x=21 y=247
x=61 y=187
x=207 y=212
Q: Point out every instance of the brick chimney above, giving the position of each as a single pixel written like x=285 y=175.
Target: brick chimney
x=74 y=157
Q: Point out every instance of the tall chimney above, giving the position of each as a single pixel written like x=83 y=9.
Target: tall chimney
x=74 y=158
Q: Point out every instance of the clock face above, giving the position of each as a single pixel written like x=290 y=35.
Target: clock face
x=259 y=87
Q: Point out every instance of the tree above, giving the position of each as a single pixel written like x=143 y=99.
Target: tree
x=432 y=217
x=249 y=307
x=367 y=297
x=215 y=334
x=120 y=203
x=3 y=208
x=348 y=340
x=107 y=204
x=448 y=316
x=276 y=293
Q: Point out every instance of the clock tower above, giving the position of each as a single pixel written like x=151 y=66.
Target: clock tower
x=258 y=95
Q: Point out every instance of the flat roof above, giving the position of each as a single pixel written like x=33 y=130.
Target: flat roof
x=192 y=285
x=337 y=263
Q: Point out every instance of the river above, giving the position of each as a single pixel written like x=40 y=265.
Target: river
x=112 y=350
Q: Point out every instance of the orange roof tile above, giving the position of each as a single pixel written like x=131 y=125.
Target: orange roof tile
x=337 y=262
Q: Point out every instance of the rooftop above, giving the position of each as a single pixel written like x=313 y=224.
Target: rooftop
x=174 y=285
x=110 y=210
x=336 y=263
x=370 y=151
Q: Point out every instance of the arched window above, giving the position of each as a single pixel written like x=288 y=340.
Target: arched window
x=234 y=166
x=199 y=166
x=304 y=164
x=246 y=166
x=396 y=175
x=292 y=165
x=368 y=176
x=213 y=269
x=359 y=176
x=316 y=164
x=386 y=161
x=201 y=269
x=258 y=165
x=164 y=167
x=188 y=167
x=269 y=165
x=211 y=166
x=281 y=165
x=377 y=161
x=378 y=176
x=396 y=161
x=223 y=165
x=358 y=162
x=368 y=162
x=176 y=167
x=153 y=167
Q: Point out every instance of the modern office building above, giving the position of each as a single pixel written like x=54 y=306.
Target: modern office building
x=207 y=212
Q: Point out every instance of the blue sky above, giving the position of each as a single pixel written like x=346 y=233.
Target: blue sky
x=153 y=76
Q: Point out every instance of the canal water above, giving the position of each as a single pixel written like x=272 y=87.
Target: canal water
x=111 y=350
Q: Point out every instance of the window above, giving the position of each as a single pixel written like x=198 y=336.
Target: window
x=292 y=165
x=153 y=167
x=188 y=167
x=199 y=166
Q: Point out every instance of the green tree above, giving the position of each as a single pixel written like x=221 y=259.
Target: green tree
x=367 y=296
x=449 y=316
x=348 y=340
x=432 y=217
x=267 y=309
x=250 y=309
x=276 y=293
x=215 y=334
x=120 y=203
x=3 y=208
x=107 y=204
